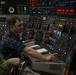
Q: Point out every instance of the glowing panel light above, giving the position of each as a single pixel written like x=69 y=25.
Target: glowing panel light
x=65 y=10
x=60 y=25
x=58 y=10
x=34 y=2
x=72 y=11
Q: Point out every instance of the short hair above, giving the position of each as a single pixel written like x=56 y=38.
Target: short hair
x=11 y=20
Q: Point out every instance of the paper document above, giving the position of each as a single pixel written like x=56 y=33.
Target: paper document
x=42 y=50
x=34 y=46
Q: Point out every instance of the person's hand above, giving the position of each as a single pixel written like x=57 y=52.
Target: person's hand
x=15 y=61
x=51 y=57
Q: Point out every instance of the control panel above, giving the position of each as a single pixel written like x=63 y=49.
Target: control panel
x=40 y=27
x=55 y=32
x=3 y=26
x=50 y=23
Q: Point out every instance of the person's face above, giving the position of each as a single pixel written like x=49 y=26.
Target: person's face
x=18 y=27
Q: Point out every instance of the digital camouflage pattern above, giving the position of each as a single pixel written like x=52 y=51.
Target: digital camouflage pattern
x=11 y=46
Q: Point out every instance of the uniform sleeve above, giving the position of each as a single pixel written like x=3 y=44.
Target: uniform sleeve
x=6 y=64
x=5 y=67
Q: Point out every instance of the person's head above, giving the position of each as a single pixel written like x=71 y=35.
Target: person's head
x=15 y=24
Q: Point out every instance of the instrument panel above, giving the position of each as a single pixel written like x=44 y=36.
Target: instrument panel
x=50 y=23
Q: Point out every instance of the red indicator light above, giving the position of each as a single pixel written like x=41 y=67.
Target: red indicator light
x=72 y=10
x=58 y=10
x=63 y=10
x=34 y=2
x=66 y=10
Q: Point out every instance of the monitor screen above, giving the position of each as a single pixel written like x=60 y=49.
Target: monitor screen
x=55 y=31
x=59 y=33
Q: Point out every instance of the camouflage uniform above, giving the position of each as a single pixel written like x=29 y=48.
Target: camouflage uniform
x=5 y=66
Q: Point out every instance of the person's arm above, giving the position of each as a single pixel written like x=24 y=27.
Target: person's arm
x=10 y=63
x=37 y=55
x=14 y=61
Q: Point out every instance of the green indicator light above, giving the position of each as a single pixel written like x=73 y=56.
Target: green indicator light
x=24 y=8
